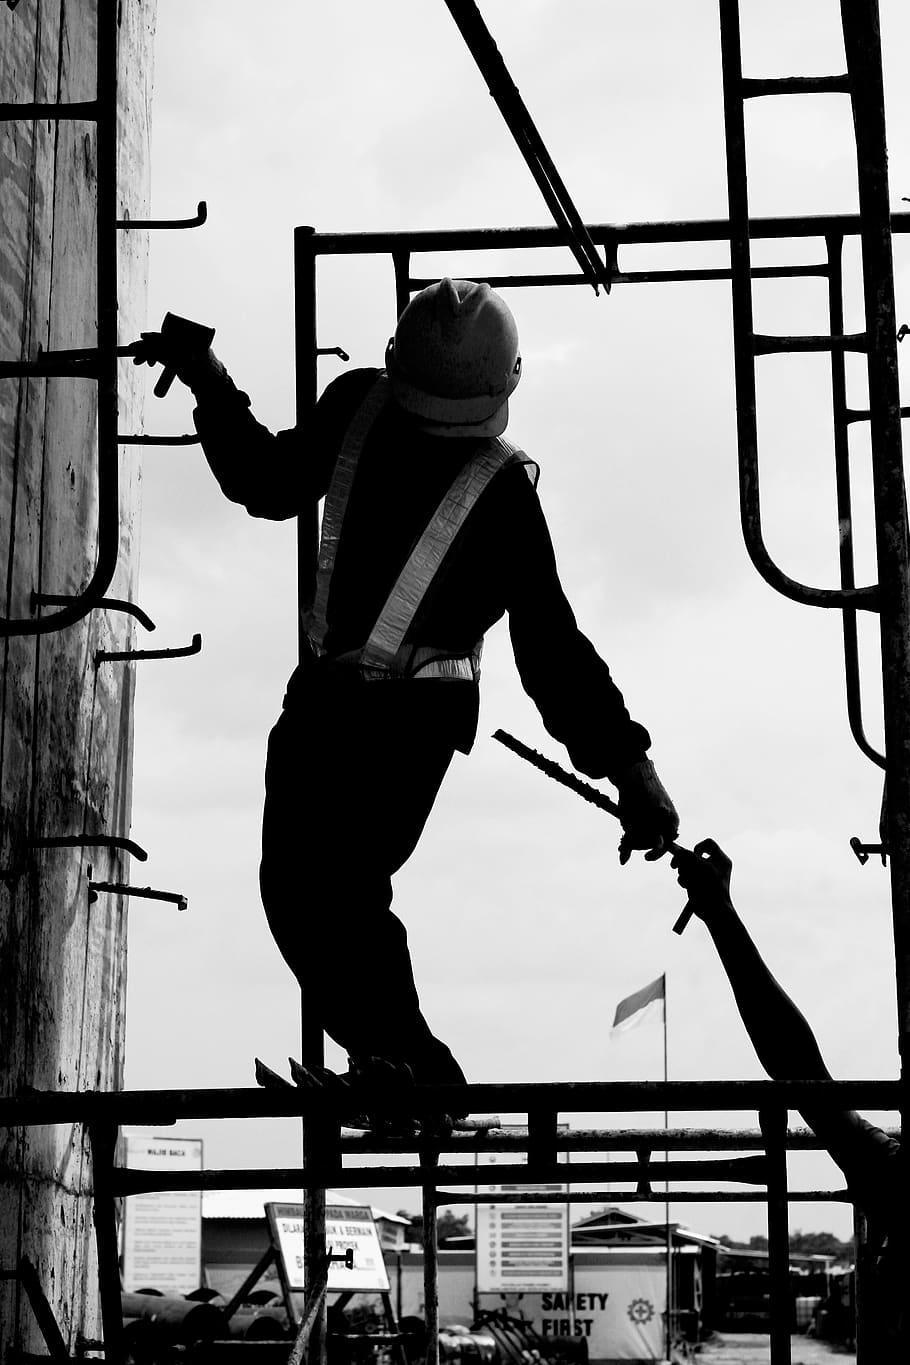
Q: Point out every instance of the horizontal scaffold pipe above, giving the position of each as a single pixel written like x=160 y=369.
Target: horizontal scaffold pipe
x=695 y=230
x=583 y=1196
x=744 y=1170
x=589 y=1176
x=514 y=1138
x=547 y=1098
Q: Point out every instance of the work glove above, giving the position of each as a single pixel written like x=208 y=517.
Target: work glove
x=705 y=874
x=648 y=816
x=184 y=349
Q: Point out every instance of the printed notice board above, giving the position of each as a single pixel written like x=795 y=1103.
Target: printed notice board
x=162 y=1231
x=523 y=1248
x=347 y=1227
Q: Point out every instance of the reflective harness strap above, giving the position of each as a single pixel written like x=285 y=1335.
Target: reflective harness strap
x=383 y=649
x=383 y=655
x=315 y=622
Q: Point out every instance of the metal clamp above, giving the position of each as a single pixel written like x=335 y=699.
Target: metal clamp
x=169 y=224
x=864 y=851
x=333 y=350
x=129 y=655
x=143 y=892
x=346 y=1256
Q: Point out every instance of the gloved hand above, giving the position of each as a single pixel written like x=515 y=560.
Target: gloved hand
x=182 y=348
x=705 y=875
x=649 y=818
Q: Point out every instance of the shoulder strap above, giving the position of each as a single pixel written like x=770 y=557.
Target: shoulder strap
x=403 y=602
x=336 y=501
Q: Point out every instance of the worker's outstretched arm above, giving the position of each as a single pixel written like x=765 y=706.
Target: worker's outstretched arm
x=571 y=685
x=785 y=1043
x=272 y=474
x=783 y=1040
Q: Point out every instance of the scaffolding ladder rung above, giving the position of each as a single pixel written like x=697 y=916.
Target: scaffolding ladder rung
x=61 y=369
x=774 y=345
x=86 y=362
x=864 y=415
x=79 y=110
x=754 y=88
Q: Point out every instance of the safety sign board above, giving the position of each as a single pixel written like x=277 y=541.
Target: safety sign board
x=162 y=1230
x=347 y=1227
x=523 y=1248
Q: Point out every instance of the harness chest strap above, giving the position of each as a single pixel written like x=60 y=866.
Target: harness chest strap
x=315 y=622
x=384 y=650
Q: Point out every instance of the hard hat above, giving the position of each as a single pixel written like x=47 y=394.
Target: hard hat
x=454 y=360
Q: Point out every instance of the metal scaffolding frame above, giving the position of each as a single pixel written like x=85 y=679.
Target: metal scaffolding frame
x=541 y=1141
x=890 y=596
x=325 y=1150
x=830 y=231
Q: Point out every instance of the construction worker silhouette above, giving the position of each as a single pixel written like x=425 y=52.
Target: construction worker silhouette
x=786 y=1046
x=431 y=532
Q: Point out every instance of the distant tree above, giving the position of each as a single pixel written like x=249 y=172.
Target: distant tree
x=447 y=1225
x=801 y=1243
x=820 y=1244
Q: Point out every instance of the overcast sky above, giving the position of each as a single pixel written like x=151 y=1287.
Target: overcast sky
x=525 y=931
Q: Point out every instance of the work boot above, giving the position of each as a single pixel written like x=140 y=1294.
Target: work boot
x=436 y=1066
x=372 y=1079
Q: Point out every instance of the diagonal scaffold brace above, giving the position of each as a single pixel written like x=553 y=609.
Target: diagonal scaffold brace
x=557 y=773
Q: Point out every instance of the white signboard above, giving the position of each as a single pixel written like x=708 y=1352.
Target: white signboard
x=347 y=1227
x=162 y=1231
x=623 y=1319
x=523 y=1248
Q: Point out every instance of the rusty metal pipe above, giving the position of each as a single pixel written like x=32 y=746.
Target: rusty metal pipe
x=835 y=245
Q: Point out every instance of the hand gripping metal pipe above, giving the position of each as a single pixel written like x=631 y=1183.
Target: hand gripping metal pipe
x=582 y=789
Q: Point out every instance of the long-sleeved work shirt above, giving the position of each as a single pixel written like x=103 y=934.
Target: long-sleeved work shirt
x=502 y=560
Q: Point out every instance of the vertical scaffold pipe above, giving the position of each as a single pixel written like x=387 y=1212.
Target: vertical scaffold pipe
x=401 y=261
x=862 y=43
x=312 y=1039
x=428 y=1160
x=865 y=1338
x=305 y=357
x=774 y=1130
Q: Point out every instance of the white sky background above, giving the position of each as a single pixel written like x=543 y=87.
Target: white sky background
x=524 y=930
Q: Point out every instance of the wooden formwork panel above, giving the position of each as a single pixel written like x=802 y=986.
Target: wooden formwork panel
x=65 y=725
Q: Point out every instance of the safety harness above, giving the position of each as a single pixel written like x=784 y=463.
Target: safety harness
x=385 y=654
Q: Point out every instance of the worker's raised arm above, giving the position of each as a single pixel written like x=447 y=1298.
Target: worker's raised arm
x=272 y=475
x=785 y=1044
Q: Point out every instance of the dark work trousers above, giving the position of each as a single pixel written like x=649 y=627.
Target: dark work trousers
x=352 y=773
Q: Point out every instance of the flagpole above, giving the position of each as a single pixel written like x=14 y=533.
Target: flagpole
x=669 y=1332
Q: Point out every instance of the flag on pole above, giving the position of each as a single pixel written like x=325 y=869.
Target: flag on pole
x=634 y=1008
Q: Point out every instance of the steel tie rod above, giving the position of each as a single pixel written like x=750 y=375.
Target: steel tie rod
x=505 y=92
x=582 y=789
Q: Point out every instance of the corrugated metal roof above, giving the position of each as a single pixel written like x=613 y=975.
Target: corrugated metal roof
x=250 y=1203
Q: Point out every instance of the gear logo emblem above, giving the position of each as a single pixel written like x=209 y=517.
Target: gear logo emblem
x=641 y=1311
